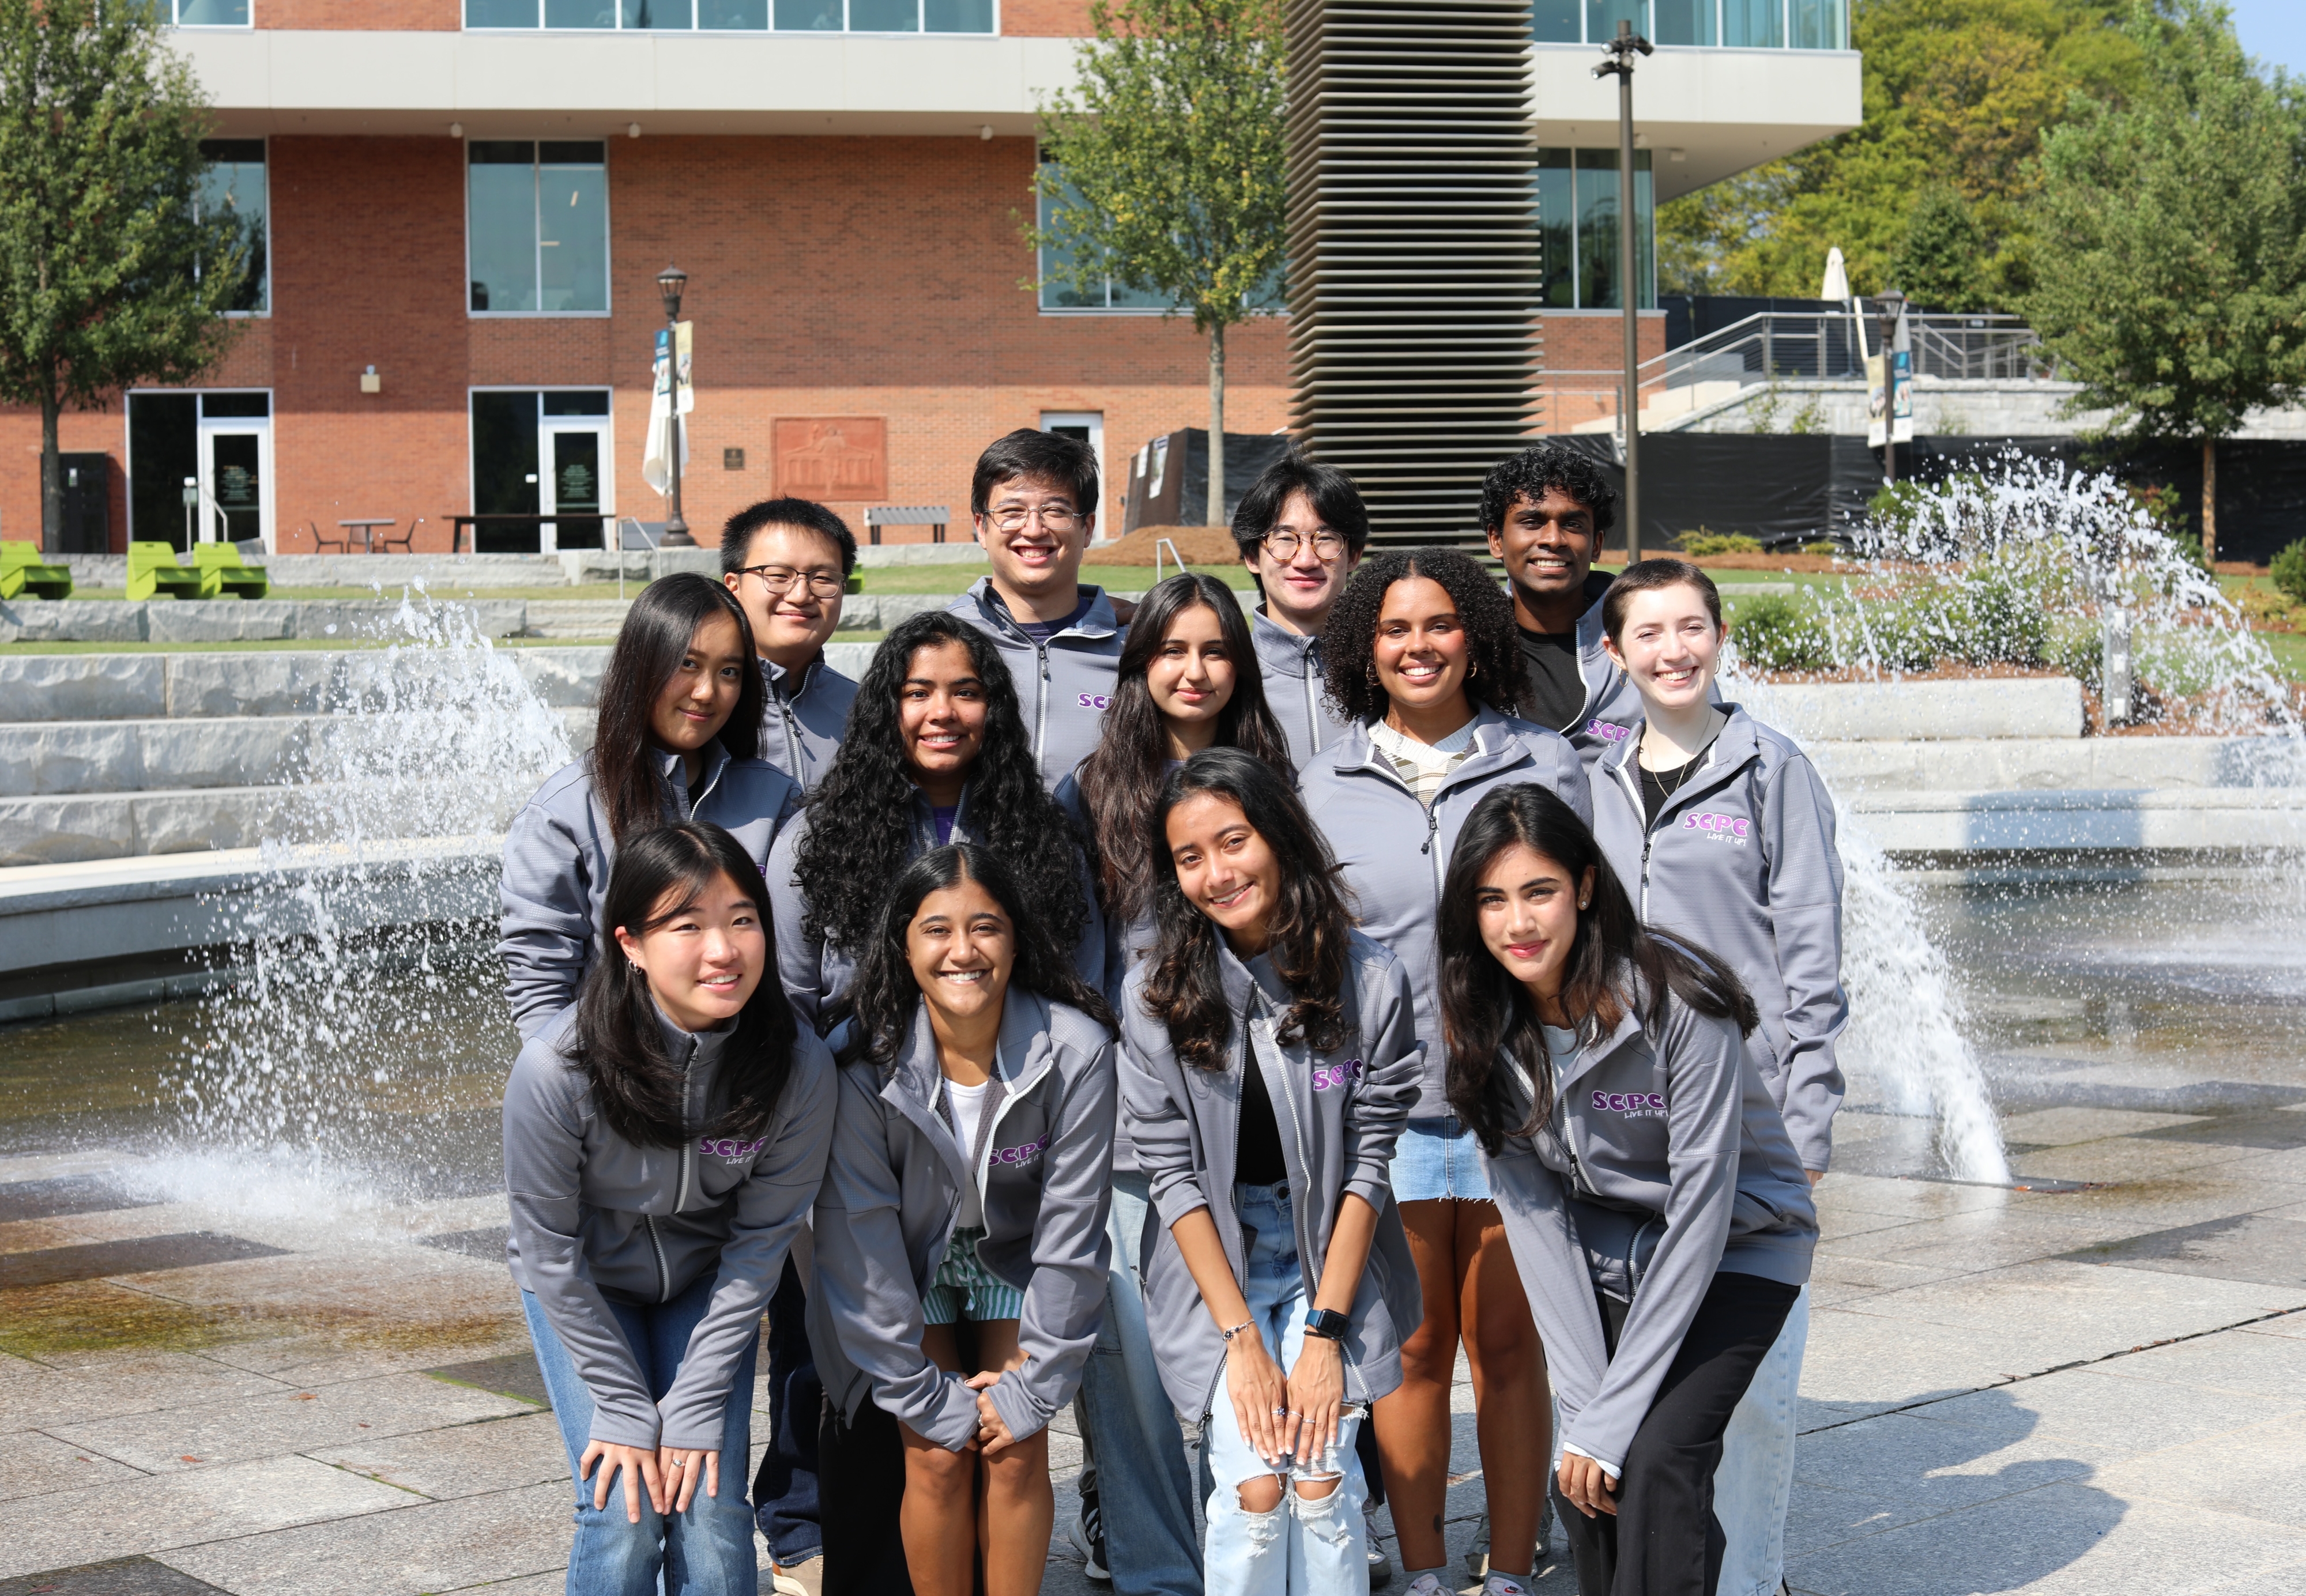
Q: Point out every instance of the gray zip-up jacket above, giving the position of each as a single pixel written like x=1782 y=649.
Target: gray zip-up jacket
x=1664 y=1161
x=1613 y=704
x=802 y=722
x=893 y=1194
x=1063 y=686
x=1340 y=1112
x=596 y=1217
x=558 y=853
x=1395 y=852
x=818 y=976
x=1296 y=689
x=1742 y=862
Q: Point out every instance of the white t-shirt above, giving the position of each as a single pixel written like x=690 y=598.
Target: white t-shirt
x=968 y=1105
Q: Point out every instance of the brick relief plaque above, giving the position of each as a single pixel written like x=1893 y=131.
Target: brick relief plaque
x=843 y=457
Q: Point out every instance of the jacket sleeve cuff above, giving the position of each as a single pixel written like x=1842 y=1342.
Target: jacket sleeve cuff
x=1376 y=1191
x=1612 y=1467
x=948 y=1418
x=1017 y=1408
x=615 y=1429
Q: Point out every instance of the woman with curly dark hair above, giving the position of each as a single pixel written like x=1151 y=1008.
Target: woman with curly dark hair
x=936 y=753
x=1262 y=1007
x=1424 y=663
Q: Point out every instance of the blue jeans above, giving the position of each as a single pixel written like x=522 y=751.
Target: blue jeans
x=1145 y=1492
x=1756 y=1480
x=1305 y=1547
x=706 y=1551
x=784 y=1490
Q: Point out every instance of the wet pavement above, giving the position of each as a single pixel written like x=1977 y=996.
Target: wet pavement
x=278 y=1350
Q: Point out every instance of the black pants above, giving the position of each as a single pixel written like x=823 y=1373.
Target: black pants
x=860 y=1471
x=1664 y=1539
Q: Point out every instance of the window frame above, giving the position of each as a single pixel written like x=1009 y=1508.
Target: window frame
x=177 y=6
x=265 y=140
x=536 y=169
x=771 y=32
x=1785 y=28
x=1579 y=232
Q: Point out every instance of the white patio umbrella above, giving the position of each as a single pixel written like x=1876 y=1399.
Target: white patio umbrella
x=1837 y=277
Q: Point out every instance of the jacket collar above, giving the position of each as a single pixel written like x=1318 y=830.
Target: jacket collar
x=1594 y=666
x=789 y=685
x=698 y=1055
x=1591 y=1056
x=1733 y=747
x=924 y=817
x=681 y=801
x=1282 y=646
x=1098 y=622
x=1026 y=1054
x=1495 y=747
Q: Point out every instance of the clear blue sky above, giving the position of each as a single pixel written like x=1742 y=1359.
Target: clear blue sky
x=2273 y=31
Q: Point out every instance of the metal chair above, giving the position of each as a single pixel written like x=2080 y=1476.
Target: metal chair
x=343 y=544
x=385 y=540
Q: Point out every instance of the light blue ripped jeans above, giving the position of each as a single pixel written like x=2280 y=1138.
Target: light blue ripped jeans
x=1304 y=1547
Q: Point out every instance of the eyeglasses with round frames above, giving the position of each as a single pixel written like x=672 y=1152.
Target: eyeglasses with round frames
x=778 y=578
x=1059 y=518
x=1329 y=548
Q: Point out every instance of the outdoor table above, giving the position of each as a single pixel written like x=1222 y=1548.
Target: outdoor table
x=366 y=526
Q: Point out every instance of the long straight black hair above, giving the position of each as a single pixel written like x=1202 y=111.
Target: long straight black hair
x=656 y=637
x=1185 y=988
x=860 y=818
x=1121 y=780
x=620 y=1041
x=1615 y=965
x=885 y=994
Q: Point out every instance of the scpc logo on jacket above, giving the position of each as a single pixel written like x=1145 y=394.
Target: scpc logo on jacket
x=1632 y=1105
x=726 y=1147
x=1732 y=829
x=1325 y=1076
x=1094 y=700
x=1024 y=1154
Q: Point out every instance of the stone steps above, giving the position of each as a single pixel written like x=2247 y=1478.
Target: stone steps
x=1979 y=827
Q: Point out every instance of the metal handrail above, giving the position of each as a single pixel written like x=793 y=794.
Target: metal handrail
x=1769 y=345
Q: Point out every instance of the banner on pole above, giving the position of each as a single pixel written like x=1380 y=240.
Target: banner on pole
x=1902 y=380
x=674 y=369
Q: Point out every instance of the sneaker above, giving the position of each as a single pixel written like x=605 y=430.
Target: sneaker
x=1380 y=1567
x=1086 y=1530
x=1504 y=1584
x=1477 y=1555
x=784 y=1584
x=1427 y=1583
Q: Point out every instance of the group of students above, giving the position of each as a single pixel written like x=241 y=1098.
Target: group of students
x=1178 y=1013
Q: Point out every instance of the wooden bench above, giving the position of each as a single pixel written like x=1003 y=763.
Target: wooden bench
x=935 y=516
x=22 y=573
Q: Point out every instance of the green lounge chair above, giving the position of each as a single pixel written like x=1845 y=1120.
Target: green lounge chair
x=223 y=574
x=21 y=573
x=153 y=573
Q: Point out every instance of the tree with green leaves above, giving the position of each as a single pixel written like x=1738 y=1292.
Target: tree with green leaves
x=2170 y=240
x=1941 y=264
x=109 y=273
x=1164 y=169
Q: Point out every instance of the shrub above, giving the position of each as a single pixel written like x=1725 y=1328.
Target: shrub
x=2263 y=606
x=1894 y=507
x=1700 y=544
x=1776 y=633
x=1824 y=546
x=2289 y=572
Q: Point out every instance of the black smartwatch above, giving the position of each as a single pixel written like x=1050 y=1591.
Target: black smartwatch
x=1327 y=1323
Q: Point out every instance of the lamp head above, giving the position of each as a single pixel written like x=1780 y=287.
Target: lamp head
x=669 y=282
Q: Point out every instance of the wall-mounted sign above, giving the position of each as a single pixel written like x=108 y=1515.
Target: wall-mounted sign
x=840 y=457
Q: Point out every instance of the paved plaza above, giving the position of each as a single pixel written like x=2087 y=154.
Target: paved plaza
x=281 y=1391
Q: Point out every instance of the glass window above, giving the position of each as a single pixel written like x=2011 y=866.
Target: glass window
x=815 y=16
x=1817 y=25
x=884 y=16
x=211 y=13
x=956 y=16
x=504 y=13
x=538 y=227
x=1554 y=22
x=1557 y=225
x=1578 y=222
x=1753 y=23
x=1684 y=22
x=658 y=14
x=1602 y=17
x=750 y=16
x=234 y=183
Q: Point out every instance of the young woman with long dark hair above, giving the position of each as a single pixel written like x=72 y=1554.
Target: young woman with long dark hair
x=675 y=738
x=961 y=1250
x=936 y=752
x=1188 y=679
x=1723 y=830
x=1658 y=1215
x=1270 y=1056
x=663 y=1139
x=1425 y=667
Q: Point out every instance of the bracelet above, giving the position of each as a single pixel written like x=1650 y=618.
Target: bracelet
x=1247 y=1324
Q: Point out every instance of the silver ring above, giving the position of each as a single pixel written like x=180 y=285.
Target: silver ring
x=676 y=1463
x=1281 y=1413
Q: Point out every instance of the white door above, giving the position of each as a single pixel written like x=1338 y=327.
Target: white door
x=574 y=470
x=1089 y=426
x=236 y=479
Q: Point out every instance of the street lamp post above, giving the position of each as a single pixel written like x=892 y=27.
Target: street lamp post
x=1621 y=51
x=669 y=282
x=1890 y=304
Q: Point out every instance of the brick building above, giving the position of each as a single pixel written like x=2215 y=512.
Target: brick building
x=466 y=204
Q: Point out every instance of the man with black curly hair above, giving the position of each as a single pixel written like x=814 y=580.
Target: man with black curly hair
x=1545 y=510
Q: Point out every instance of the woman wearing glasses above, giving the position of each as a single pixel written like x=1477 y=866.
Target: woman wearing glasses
x=679 y=727
x=1301 y=528
x=788 y=562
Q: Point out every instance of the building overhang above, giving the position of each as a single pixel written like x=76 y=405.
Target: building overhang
x=1703 y=115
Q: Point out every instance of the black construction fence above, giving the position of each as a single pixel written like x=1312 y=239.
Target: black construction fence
x=1787 y=490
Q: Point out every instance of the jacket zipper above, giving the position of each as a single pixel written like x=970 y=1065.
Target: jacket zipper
x=663 y=1272
x=792 y=741
x=1312 y=708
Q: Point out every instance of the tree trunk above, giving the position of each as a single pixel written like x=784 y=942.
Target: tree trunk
x=52 y=478
x=2210 y=502
x=1216 y=510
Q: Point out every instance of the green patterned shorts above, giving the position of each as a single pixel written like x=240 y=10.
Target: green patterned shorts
x=965 y=1289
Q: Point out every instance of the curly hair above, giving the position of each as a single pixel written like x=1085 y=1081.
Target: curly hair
x=1493 y=650
x=1548 y=464
x=860 y=834
x=1311 y=927
x=1121 y=780
x=887 y=994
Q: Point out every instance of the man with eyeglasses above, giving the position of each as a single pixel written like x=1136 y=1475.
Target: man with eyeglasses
x=1300 y=529
x=1033 y=499
x=788 y=562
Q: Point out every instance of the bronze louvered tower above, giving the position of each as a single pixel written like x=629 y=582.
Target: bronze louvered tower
x=1413 y=250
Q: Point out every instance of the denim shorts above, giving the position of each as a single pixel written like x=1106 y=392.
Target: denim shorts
x=965 y=1289
x=1437 y=1159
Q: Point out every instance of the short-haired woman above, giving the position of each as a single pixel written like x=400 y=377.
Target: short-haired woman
x=960 y=1249
x=1270 y=1058
x=1721 y=827
x=1425 y=666
x=663 y=1139
x=1658 y=1215
x=675 y=738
